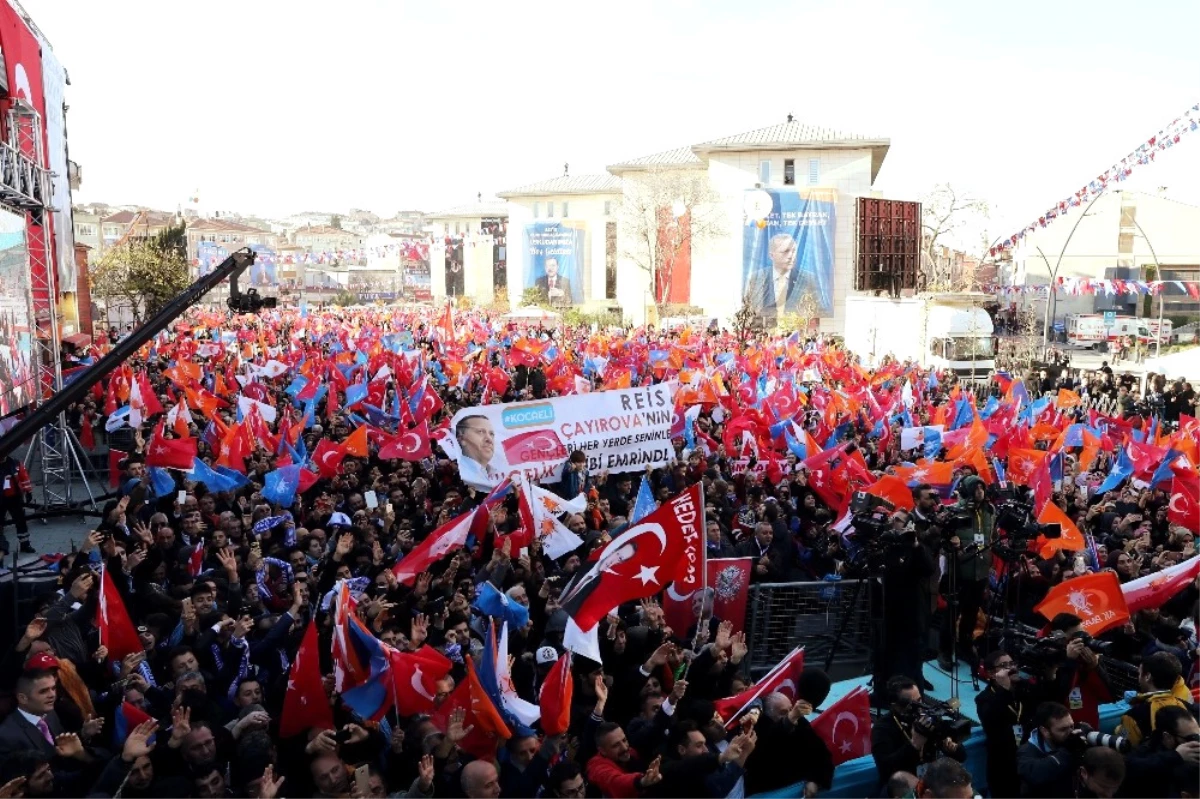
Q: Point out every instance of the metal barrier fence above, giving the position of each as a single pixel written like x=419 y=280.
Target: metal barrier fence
x=783 y=616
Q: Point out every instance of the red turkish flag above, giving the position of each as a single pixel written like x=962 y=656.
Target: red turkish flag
x=782 y=679
x=1184 y=509
x=414 y=678
x=729 y=578
x=1094 y=598
x=327 y=457
x=171 y=453
x=555 y=698
x=305 y=705
x=1153 y=590
x=117 y=632
x=480 y=713
x=410 y=445
x=441 y=542
x=639 y=562
x=115 y=456
x=845 y=726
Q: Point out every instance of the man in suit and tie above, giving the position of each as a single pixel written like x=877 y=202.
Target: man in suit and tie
x=772 y=289
x=557 y=287
x=34 y=724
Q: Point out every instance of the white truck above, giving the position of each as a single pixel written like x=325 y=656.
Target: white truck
x=947 y=332
x=1093 y=330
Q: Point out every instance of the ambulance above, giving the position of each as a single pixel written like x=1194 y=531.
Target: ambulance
x=1090 y=330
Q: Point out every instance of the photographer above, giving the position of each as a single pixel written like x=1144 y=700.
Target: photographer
x=1168 y=761
x=1081 y=682
x=906 y=563
x=1046 y=762
x=971 y=523
x=903 y=740
x=1006 y=707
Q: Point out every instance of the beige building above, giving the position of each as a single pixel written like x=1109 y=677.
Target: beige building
x=463 y=256
x=1123 y=235
x=322 y=239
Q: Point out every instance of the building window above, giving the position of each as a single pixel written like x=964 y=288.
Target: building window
x=550 y=210
x=608 y=207
x=789 y=172
x=537 y=209
x=814 y=171
x=85 y=230
x=764 y=172
x=565 y=212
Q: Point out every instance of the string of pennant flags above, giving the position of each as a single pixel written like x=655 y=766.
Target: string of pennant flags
x=408 y=251
x=1079 y=286
x=1145 y=153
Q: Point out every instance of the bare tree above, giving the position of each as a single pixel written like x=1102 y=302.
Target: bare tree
x=948 y=217
x=665 y=214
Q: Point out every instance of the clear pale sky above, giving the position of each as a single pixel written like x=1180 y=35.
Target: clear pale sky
x=274 y=107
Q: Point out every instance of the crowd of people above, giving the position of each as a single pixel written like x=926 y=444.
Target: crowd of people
x=224 y=587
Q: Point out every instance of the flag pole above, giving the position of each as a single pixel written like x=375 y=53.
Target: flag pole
x=703 y=586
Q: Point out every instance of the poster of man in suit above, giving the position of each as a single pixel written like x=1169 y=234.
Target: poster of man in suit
x=556 y=251
x=788 y=251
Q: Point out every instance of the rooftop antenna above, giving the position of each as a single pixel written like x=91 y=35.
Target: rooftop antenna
x=790 y=118
x=566 y=170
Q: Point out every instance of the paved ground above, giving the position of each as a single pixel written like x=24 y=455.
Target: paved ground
x=59 y=534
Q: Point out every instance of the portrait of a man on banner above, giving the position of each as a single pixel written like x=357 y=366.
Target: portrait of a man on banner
x=788 y=251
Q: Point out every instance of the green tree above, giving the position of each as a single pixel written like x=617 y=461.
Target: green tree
x=335 y=222
x=534 y=296
x=144 y=274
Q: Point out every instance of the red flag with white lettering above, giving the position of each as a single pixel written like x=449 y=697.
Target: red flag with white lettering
x=782 y=679
x=845 y=726
x=305 y=705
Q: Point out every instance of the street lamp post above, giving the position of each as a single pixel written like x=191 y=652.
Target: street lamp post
x=1159 y=277
x=1054 y=273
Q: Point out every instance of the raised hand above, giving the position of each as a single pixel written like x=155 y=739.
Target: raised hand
x=601 y=689
x=652 y=776
x=425 y=774
x=420 y=630
x=181 y=724
x=724 y=635
x=455 y=731
x=36 y=628
x=68 y=745
x=739 y=648
x=13 y=788
x=81 y=586
x=677 y=691
x=138 y=743
x=268 y=786
x=92 y=727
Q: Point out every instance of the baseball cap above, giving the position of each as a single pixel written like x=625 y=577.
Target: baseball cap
x=546 y=654
x=41 y=661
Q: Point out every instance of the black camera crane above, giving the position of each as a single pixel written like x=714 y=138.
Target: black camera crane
x=232 y=268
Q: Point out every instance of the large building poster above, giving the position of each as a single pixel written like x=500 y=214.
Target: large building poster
x=209 y=255
x=787 y=251
x=456 y=282
x=556 y=253
x=414 y=259
x=263 y=272
x=17 y=378
x=497 y=228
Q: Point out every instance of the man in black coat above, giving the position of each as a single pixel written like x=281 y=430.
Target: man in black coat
x=1168 y=762
x=1006 y=707
x=788 y=750
x=899 y=742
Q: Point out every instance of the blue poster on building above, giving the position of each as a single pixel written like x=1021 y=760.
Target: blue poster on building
x=208 y=255
x=263 y=272
x=555 y=251
x=787 y=251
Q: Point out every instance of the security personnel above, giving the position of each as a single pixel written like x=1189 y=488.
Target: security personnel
x=15 y=491
x=969 y=568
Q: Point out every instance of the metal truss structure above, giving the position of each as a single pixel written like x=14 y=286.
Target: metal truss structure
x=25 y=190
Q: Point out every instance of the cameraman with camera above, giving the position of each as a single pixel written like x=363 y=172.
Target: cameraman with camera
x=1081 y=682
x=1167 y=763
x=1062 y=758
x=1006 y=707
x=971 y=524
x=906 y=738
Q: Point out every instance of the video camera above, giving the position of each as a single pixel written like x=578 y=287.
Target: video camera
x=1015 y=516
x=250 y=302
x=1034 y=653
x=936 y=720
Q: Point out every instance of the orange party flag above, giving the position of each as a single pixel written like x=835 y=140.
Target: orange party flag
x=1094 y=598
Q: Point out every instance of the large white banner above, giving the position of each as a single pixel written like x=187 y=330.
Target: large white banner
x=54 y=83
x=620 y=431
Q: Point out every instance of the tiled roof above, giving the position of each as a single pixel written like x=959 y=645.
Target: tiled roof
x=471 y=211
x=223 y=225
x=153 y=217
x=792 y=133
x=680 y=156
x=323 y=230
x=568 y=184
